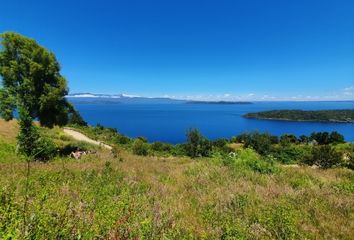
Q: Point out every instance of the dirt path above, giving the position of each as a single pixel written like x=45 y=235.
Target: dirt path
x=81 y=137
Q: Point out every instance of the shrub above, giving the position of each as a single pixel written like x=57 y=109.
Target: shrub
x=72 y=147
x=45 y=149
x=335 y=138
x=263 y=165
x=304 y=139
x=287 y=139
x=291 y=153
x=323 y=138
x=249 y=159
x=140 y=148
x=324 y=156
x=121 y=139
x=28 y=136
x=221 y=145
x=197 y=145
x=161 y=147
x=178 y=150
x=260 y=142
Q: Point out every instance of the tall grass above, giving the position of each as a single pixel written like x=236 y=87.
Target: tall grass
x=125 y=196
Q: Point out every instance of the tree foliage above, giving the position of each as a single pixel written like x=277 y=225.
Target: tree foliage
x=260 y=142
x=197 y=145
x=31 y=79
x=32 y=85
x=324 y=156
x=324 y=138
x=339 y=115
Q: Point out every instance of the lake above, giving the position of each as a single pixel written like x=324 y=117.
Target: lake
x=169 y=122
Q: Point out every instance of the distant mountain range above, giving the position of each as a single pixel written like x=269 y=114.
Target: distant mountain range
x=91 y=98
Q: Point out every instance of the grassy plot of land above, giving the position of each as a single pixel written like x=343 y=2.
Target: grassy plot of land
x=346 y=115
x=150 y=197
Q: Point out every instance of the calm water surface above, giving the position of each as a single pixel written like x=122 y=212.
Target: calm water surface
x=169 y=122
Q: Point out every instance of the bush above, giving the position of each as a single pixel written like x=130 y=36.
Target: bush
x=260 y=142
x=161 y=147
x=263 y=165
x=323 y=138
x=324 y=156
x=221 y=145
x=287 y=139
x=291 y=153
x=140 y=148
x=45 y=149
x=304 y=139
x=121 y=139
x=249 y=159
x=336 y=138
x=178 y=150
x=197 y=145
x=143 y=139
x=72 y=147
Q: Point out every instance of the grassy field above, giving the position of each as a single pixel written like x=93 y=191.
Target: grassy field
x=136 y=197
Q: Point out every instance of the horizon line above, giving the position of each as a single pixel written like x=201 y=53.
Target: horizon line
x=213 y=98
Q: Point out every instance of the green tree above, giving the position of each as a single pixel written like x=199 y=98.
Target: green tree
x=140 y=147
x=336 y=137
x=321 y=138
x=304 y=139
x=28 y=135
x=31 y=79
x=197 y=145
x=31 y=84
x=287 y=139
x=74 y=117
x=324 y=156
x=260 y=142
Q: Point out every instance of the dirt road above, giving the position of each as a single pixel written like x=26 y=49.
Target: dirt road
x=81 y=137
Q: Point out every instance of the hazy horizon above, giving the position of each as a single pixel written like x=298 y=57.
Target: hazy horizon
x=198 y=98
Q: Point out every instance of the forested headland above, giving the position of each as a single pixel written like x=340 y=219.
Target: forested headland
x=345 y=115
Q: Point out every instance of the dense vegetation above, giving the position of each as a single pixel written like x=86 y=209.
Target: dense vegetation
x=346 y=115
x=284 y=149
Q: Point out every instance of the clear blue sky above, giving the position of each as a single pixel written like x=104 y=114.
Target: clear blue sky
x=247 y=49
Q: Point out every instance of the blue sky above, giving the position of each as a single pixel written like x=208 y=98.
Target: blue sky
x=246 y=49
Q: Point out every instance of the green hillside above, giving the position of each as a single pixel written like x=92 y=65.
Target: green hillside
x=164 y=196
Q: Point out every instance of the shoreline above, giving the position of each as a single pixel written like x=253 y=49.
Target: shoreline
x=300 y=120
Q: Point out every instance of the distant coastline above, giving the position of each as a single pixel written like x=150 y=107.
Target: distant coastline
x=217 y=102
x=334 y=116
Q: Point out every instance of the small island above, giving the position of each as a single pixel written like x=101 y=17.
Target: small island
x=342 y=116
x=217 y=102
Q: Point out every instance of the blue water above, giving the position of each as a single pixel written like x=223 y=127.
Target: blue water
x=169 y=122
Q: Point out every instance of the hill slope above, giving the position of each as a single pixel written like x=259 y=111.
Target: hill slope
x=132 y=197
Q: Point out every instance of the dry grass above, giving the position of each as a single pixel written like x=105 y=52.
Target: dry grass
x=8 y=130
x=155 y=198
x=235 y=146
